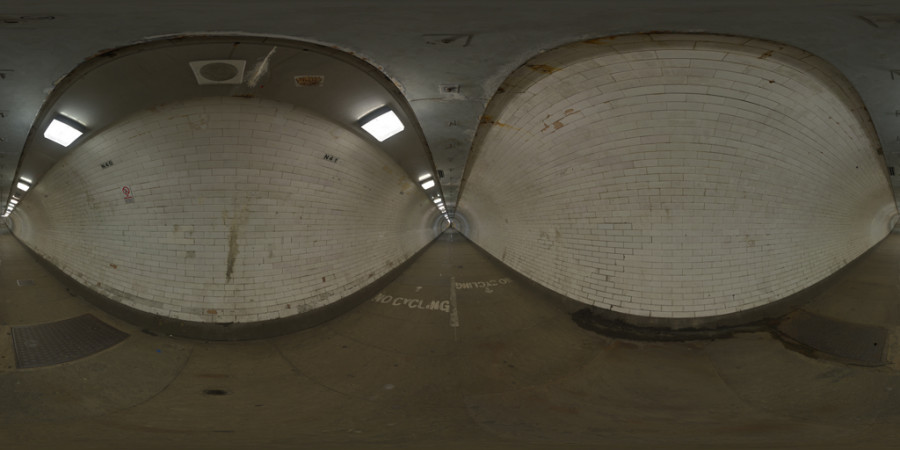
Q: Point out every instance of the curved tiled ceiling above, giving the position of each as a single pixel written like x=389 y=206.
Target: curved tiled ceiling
x=676 y=175
x=116 y=83
x=423 y=45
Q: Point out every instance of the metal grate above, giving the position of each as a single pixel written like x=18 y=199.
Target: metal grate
x=58 y=342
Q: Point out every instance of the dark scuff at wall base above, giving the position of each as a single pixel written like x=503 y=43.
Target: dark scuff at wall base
x=629 y=326
x=225 y=331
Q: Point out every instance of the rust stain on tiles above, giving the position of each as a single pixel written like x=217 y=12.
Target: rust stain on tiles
x=309 y=80
x=543 y=68
x=558 y=123
x=211 y=311
x=766 y=54
x=488 y=120
x=114 y=266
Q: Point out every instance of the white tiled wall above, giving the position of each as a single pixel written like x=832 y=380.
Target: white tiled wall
x=237 y=215
x=676 y=175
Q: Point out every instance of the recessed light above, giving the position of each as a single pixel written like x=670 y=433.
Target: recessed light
x=24 y=187
x=63 y=131
x=383 y=124
x=428 y=184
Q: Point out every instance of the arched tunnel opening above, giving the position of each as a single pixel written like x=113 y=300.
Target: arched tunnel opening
x=655 y=238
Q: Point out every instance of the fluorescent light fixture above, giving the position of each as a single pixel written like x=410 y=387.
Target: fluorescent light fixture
x=24 y=187
x=27 y=180
x=383 y=124
x=13 y=202
x=425 y=177
x=63 y=131
x=428 y=184
x=437 y=200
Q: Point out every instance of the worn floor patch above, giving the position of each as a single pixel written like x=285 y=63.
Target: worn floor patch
x=58 y=342
x=850 y=342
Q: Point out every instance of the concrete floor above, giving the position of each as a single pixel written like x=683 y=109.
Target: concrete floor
x=516 y=372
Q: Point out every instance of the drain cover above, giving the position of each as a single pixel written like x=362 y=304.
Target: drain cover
x=215 y=392
x=25 y=282
x=58 y=342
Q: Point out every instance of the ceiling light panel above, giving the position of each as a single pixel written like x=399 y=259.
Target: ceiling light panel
x=383 y=125
x=62 y=132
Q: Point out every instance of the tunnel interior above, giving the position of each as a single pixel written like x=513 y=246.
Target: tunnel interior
x=227 y=257
x=664 y=176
